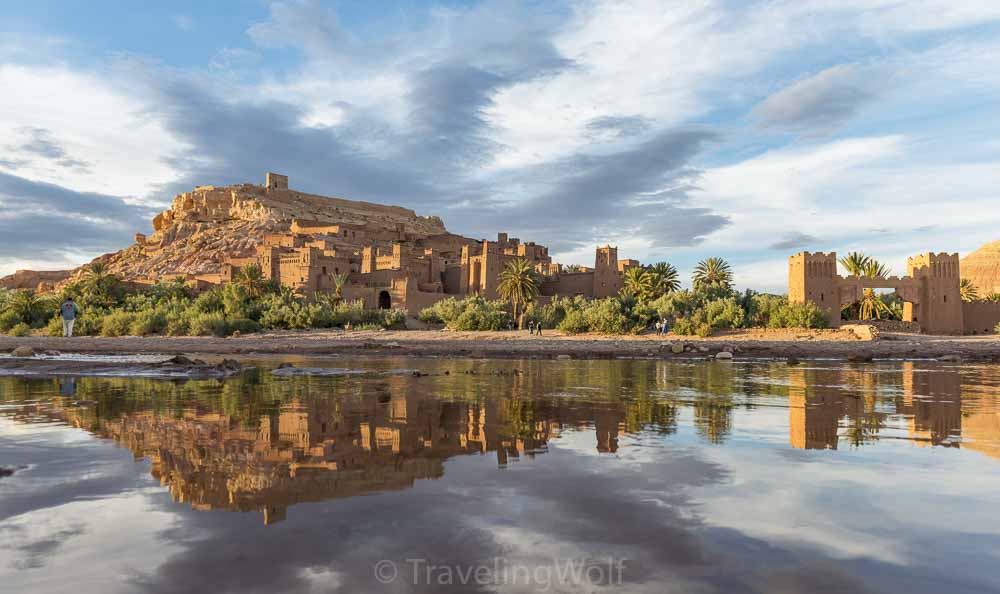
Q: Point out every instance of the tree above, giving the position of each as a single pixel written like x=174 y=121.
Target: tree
x=968 y=290
x=251 y=279
x=100 y=286
x=638 y=283
x=518 y=284
x=30 y=307
x=713 y=271
x=854 y=263
x=339 y=281
x=571 y=268
x=665 y=279
x=871 y=306
x=994 y=297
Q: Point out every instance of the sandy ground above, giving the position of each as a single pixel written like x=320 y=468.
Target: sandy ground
x=519 y=344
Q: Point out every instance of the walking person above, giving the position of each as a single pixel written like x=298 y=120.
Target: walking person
x=69 y=311
x=538 y=329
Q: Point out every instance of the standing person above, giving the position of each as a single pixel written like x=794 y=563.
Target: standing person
x=663 y=326
x=538 y=329
x=659 y=327
x=531 y=327
x=69 y=311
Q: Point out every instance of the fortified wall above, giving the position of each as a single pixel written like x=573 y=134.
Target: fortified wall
x=930 y=291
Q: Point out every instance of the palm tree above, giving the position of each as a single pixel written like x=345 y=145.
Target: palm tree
x=251 y=279
x=99 y=284
x=518 y=284
x=871 y=306
x=639 y=283
x=854 y=263
x=994 y=297
x=26 y=304
x=665 y=278
x=713 y=271
x=339 y=281
x=968 y=290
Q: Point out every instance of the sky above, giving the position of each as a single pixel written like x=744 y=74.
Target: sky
x=676 y=130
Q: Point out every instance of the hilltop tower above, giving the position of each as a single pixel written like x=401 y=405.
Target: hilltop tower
x=275 y=181
x=607 y=281
x=813 y=277
x=939 y=309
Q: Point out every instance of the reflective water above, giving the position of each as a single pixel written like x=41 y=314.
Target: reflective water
x=511 y=476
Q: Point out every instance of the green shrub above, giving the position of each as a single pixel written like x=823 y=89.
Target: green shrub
x=997 y=329
x=442 y=312
x=575 y=322
x=553 y=313
x=209 y=301
x=799 y=315
x=117 y=323
x=179 y=323
x=607 y=317
x=148 y=322
x=482 y=314
x=209 y=324
x=386 y=318
x=724 y=314
x=718 y=314
x=20 y=329
x=471 y=313
x=8 y=320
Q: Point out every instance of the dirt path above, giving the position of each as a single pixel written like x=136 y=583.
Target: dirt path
x=751 y=343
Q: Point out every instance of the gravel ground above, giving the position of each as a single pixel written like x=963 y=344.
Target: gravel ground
x=442 y=343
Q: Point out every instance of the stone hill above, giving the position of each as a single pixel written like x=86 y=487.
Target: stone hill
x=982 y=267
x=208 y=225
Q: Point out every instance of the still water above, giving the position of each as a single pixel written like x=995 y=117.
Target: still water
x=509 y=476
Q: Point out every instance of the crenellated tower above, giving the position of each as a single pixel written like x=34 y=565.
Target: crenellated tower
x=813 y=277
x=939 y=309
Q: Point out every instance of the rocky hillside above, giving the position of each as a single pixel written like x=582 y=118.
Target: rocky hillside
x=204 y=227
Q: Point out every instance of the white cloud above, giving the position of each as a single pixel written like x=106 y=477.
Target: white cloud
x=93 y=121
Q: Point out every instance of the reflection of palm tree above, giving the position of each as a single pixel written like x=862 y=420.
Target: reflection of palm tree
x=968 y=290
x=713 y=271
x=865 y=428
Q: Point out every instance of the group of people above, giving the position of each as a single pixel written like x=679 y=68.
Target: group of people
x=662 y=327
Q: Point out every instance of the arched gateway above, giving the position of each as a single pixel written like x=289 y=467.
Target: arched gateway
x=930 y=290
x=384 y=300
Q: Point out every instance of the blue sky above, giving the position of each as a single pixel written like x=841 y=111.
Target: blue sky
x=675 y=130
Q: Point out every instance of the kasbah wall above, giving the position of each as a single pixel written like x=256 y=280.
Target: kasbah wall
x=930 y=292
x=395 y=268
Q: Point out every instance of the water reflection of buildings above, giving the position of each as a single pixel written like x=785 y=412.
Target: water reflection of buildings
x=315 y=449
x=827 y=405
x=298 y=442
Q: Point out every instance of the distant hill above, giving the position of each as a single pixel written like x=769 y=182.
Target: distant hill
x=982 y=267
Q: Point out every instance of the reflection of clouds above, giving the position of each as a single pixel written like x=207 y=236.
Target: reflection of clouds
x=867 y=508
